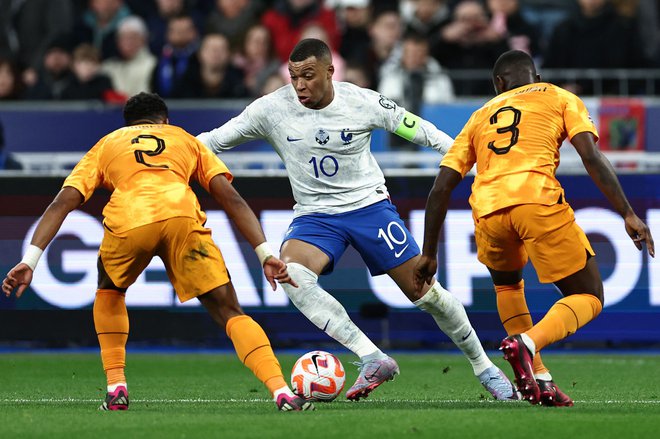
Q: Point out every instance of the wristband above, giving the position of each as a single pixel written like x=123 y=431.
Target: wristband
x=264 y=252
x=31 y=257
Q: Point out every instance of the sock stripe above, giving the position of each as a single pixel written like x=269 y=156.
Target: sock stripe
x=577 y=321
x=105 y=333
x=516 y=316
x=253 y=350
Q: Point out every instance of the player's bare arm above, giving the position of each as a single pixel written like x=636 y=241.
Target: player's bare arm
x=248 y=225
x=20 y=276
x=602 y=173
x=437 y=204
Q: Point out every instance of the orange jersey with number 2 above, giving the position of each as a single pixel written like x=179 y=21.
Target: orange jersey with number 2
x=148 y=169
x=514 y=139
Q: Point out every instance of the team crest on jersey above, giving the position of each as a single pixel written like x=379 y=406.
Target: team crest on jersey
x=386 y=103
x=322 y=137
x=346 y=137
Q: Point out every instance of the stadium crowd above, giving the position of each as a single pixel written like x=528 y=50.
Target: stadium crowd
x=108 y=50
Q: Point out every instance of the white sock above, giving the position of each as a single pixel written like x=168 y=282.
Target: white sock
x=449 y=313
x=283 y=390
x=529 y=343
x=543 y=376
x=325 y=311
x=113 y=387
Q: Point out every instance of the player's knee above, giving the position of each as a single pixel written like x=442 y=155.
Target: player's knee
x=302 y=275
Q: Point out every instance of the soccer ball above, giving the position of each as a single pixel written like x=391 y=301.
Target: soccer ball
x=318 y=376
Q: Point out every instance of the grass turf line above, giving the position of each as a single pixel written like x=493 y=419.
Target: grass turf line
x=189 y=395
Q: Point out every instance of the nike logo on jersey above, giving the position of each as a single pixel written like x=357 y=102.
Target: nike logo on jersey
x=399 y=253
x=292 y=139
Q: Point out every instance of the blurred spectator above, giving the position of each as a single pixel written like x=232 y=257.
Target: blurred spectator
x=287 y=19
x=272 y=83
x=597 y=37
x=89 y=83
x=357 y=74
x=544 y=15
x=131 y=71
x=426 y=17
x=11 y=86
x=470 y=42
x=385 y=31
x=55 y=74
x=645 y=13
x=98 y=25
x=318 y=32
x=182 y=43
x=256 y=57
x=211 y=74
x=161 y=15
x=233 y=17
x=508 y=20
x=6 y=160
x=27 y=27
x=416 y=80
x=354 y=17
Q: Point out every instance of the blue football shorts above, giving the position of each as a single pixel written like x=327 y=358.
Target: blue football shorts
x=376 y=232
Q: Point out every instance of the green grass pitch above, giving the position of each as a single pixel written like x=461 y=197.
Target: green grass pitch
x=214 y=396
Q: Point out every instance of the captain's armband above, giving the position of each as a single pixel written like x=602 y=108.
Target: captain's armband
x=408 y=126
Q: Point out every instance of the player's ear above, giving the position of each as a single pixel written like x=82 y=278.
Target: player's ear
x=331 y=71
x=498 y=82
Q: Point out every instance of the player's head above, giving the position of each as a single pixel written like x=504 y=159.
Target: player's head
x=513 y=69
x=311 y=69
x=145 y=108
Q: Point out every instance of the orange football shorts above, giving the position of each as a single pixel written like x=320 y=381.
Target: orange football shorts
x=548 y=234
x=194 y=263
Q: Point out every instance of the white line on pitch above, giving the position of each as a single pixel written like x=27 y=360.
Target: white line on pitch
x=236 y=400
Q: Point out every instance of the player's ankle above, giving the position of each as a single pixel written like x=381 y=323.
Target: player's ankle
x=529 y=343
x=282 y=391
x=113 y=387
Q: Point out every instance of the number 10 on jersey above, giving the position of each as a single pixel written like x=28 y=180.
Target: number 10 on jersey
x=327 y=166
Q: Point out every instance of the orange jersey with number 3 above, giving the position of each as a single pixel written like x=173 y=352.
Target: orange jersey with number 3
x=148 y=169
x=514 y=139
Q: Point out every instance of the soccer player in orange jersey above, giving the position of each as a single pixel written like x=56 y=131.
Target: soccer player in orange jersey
x=520 y=212
x=153 y=211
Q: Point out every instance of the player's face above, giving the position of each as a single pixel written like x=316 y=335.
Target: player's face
x=312 y=80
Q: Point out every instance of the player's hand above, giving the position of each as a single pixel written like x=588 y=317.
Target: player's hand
x=424 y=271
x=639 y=232
x=275 y=270
x=18 y=278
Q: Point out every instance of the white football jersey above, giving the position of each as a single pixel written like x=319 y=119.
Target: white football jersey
x=327 y=152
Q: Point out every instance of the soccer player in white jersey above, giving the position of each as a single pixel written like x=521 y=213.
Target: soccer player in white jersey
x=322 y=131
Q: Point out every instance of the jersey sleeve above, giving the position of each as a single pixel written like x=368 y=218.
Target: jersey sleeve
x=87 y=175
x=576 y=117
x=409 y=126
x=253 y=123
x=461 y=156
x=208 y=166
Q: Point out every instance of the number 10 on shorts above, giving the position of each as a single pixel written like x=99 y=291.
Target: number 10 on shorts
x=395 y=235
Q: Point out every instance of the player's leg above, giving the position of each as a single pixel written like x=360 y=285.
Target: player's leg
x=121 y=260
x=386 y=245
x=305 y=262
x=561 y=253
x=252 y=345
x=451 y=317
x=196 y=268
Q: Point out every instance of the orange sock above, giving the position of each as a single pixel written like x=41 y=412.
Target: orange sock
x=253 y=349
x=111 y=323
x=515 y=316
x=564 y=318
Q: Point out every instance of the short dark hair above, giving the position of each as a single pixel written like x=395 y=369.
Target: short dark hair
x=512 y=63
x=310 y=47
x=145 y=107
